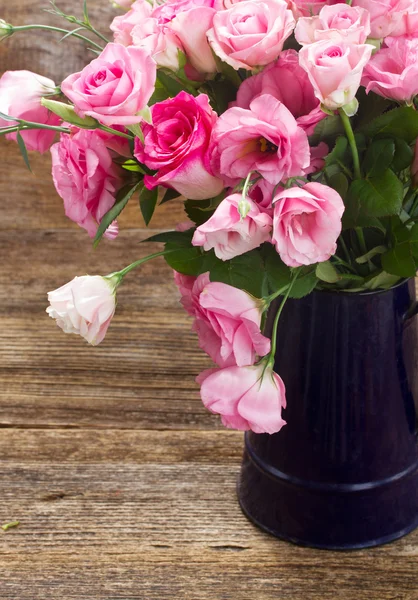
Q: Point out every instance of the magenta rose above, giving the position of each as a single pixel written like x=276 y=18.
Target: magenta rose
x=265 y=138
x=289 y=83
x=231 y=235
x=335 y=70
x=386 y=15
x=393 y=72
x=248 y=397
x=20 y=96
x=307 y=223
x=176 y=146
x=86 y=179
x=114 y=87
x=251 y=33
x=227 y=320
x=337 y=22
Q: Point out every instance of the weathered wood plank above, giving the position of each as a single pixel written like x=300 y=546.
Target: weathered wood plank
x=147 y=515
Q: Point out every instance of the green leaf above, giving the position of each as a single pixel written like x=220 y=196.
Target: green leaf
x=400 y=122
x=339 y=183
x=245 y=272
x=399 y=261
x=133 y=166
x=325 y=271
x=403 y=156
x=370 y=105
x=160 y=93
x=148 y=202
x=169 y=194
x=199 y=211
x=374 y=197
x=186 y=260
x=338 y=152
x=179 y=238
x=23 y=150
x=279 y=275
x=168 y=80
x=361 y=260
x=68 y=114
x=327 y=129
x=122 y=199
x=382 y=280
x=379 y=157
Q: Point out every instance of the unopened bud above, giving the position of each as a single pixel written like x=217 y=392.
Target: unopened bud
x=5 y=30
x=244 y=207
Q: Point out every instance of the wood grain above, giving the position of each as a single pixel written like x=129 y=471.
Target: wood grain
x=123 y=484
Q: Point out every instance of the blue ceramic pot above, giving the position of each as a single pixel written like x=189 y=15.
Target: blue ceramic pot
x=343 y=472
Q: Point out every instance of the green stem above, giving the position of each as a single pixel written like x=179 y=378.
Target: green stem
x=269 y=299
x=116 y=132
x=351 y=140
x=276 y=320
x=345 y=249
x=59 y=30
x=121 y=274
x=363 y=247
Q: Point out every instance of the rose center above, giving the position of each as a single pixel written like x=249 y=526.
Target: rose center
x=267 y=146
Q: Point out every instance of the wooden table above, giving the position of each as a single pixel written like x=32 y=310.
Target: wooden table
x=123 y=484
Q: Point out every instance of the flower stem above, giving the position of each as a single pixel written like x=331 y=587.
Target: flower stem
x=59 y=30
x=351 y=140
x=121 y=274
x=116 y=132
x=276 y=320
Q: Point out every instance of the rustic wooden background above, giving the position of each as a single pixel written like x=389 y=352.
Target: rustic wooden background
x=124 y=485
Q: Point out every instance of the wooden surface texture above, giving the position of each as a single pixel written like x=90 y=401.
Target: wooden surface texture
x=123 y=484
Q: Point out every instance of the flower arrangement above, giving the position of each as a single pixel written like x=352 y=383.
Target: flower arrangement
x=287 y=128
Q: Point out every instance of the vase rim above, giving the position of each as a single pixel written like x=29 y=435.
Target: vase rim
x=366 y=292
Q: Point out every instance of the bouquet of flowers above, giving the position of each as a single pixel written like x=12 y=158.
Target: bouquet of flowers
x=287 y=128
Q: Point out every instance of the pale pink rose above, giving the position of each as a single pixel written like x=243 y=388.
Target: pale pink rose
x=114 y=142
x=229 y=234
x=251 y=33
x=185 y=285
x=262 y=194
x=393 y=72
x=20 y=96
x=86 y=179
x=190 y=20
x=408 y=24
x=307 y=8
x=123 y=25
x=185 y=225
x=84 y=306
x=307 y=223
x=176 y=145
x=266 y=138
x=248 y=397
x=289 y=83
x=385 y=15
x=225 y=4
x=114 y=87
x=139 y=28
x=335 y=70
x=227 y=321
x=337 y=22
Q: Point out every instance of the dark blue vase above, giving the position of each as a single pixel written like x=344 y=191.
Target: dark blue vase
x=343 y=472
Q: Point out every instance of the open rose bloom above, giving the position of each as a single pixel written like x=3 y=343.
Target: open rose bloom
x=287 y=130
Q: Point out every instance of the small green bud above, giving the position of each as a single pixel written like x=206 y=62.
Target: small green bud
x=5 y=30
x=68 y=114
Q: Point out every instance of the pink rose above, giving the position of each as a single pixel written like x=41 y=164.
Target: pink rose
x=307 y=8
x=393 y=72
x=337 y=22
x=262 y=194
x=185 y=285
x=266 y=138
x=289 y=83
x=385 y=15
x=190 y=20
x=318 y=154
x=227 y=320
x=86 y=179
x=114 y=87
x=248 y=397
x=252 y=33
x=231 y=235
x=20 y=96
x=84 y=306
x=225 y=4
x=141 y=29
x=335 y=70
x=307 y=223
x=115 y=142
x=176 y=145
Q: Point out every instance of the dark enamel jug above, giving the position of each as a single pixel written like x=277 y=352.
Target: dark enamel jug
x=343 y=472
